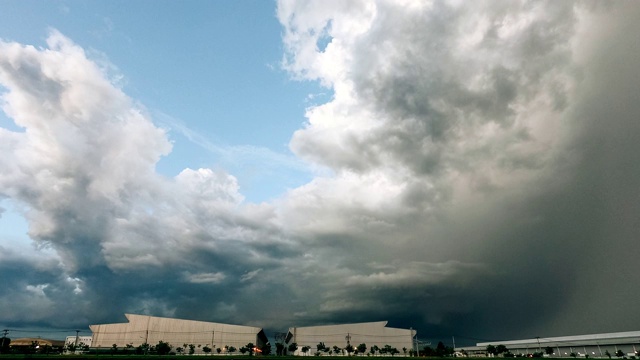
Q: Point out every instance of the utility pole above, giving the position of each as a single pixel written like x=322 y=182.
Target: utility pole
x=454 y=342
x=539 y=348
x=4 y=339
x=77 y=337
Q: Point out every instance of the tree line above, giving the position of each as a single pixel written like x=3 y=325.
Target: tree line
x=335 y=350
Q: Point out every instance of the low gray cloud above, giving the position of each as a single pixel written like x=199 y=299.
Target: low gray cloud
x=482 y=182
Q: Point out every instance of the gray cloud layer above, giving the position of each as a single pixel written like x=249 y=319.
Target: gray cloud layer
x=484 y=181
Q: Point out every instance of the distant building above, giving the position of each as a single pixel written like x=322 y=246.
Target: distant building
x=143 y=329
x=371 y=334
x=77 y=343
x=593 y=345
x=36 y=345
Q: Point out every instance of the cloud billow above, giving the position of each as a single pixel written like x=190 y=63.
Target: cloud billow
x=483 y=180
x=473 y=117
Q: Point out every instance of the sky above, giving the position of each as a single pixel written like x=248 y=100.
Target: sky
x=466 y=169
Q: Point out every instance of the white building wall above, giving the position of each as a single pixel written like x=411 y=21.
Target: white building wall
x=151 y=330
x=372 y=333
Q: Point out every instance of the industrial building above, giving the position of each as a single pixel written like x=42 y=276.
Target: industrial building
x=36 y=345
x=143 y=329
x=594 y=345
x=371 y=334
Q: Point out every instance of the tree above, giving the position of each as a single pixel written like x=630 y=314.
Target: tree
x=619 y=353
x=500 y=349
x=321 y=346
x=491 y=350
x=192 y=349
x=163 y=348
x=362 y=348
x=206 y=349
x=292 y=348
x=349 y=349
x=279 y=348
x=427 y=351
x=305 y=349
x=573 y=355
x=606 y=352
x=442 y=350
x=336 y=349
x=218 y=350
x=232 y=349
x=548 y=350
x=383 y=350
x=265 y=349
x=250 y=347
x=142 y=349
x=386 y=349
x=179 y=350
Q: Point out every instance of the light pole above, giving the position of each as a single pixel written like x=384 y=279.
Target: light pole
x=415 y=352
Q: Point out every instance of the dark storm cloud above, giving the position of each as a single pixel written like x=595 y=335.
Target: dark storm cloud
x=36 y=286
x=499 y=114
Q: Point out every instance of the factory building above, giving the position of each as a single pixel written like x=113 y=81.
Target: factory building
x=372 y=334
x=625 y=344
x=143 y=329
